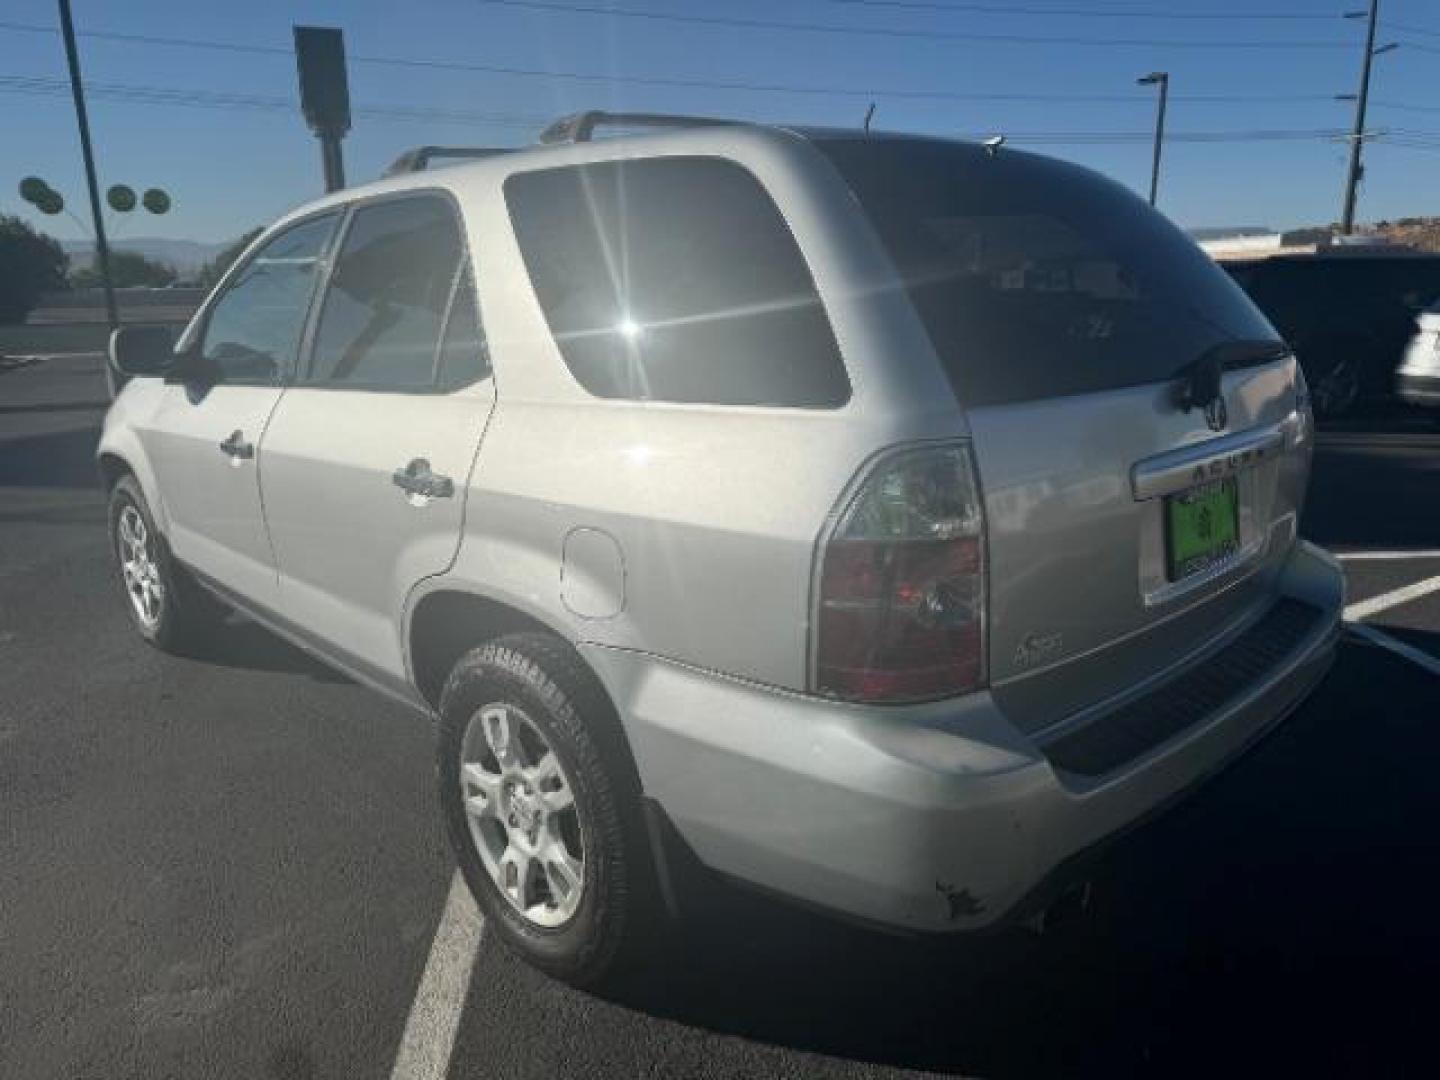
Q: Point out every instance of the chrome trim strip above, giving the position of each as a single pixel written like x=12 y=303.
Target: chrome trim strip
x=1176 y=470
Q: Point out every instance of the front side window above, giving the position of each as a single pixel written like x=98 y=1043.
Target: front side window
x=253 y=330
x=388 y=293
x=675 y=279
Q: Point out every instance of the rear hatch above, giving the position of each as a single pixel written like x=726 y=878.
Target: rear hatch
x=1131 y=412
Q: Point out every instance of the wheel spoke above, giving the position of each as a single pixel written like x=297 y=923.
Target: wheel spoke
x=485 y=800
x=550 y=782
x=516 y=877
x=498 y=736
x=563 y=872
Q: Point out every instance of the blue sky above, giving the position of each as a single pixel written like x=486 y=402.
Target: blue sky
x=234 y=167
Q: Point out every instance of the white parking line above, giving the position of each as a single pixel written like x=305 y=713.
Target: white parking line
x=1395 y=645
x=33 y=358
x=434 y=1018
x=1385 y=556
x=1363 y=609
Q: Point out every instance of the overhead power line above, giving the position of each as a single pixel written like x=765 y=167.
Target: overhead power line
x=136 y=94
x=1090 y=11
x=206 y=99
x=737 y=22
x=1408 y=28
x=851 y=91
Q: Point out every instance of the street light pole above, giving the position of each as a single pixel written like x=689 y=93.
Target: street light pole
x=102 y=249
x=1357 y=136
x=1161 y=79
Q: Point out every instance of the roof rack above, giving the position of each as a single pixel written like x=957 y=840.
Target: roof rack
x=580 y=127
x=419 y=159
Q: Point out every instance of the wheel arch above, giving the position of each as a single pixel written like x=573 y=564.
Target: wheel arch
x=120 y=454
x=447 y=622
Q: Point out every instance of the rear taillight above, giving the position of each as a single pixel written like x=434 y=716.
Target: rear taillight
x=900 y=614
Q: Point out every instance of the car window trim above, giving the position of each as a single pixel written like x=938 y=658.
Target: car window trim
x=306 y=360
x=226 y=286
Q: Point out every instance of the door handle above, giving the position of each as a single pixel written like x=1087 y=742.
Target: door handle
x=236 y=448
x=422 y=485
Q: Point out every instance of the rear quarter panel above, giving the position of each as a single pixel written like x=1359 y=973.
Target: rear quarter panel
x=715 y=510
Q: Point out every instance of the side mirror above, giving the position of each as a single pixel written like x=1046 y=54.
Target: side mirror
x=142 y=350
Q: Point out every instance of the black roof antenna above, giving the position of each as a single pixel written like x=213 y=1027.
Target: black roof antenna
x=869 y=114
x=992 y=145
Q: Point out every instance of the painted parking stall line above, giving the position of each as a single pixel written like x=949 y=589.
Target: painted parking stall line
x=1386 y=556
x=1363 y=609
x=429 y=1037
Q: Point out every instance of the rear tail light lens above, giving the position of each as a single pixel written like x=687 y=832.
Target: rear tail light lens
x=901 y=604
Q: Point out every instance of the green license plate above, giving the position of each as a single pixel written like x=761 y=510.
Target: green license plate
x=1202 y=527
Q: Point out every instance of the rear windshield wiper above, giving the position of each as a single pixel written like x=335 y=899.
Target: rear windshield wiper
x=1198 y=382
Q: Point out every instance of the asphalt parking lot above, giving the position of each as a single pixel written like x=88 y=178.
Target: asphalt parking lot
x=232 y=865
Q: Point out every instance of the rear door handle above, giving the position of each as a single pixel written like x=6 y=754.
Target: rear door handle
x=422 y=485
x=236 y=448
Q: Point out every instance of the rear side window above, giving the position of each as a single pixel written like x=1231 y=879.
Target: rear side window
x=675 y=279
x=1037 y=278
x=387 y=297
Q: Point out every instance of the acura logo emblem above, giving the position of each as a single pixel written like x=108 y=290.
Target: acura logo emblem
x=1216 y=415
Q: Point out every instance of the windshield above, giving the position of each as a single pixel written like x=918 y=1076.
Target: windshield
x=1037 y=278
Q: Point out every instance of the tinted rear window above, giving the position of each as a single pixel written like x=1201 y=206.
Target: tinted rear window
x=1036 y=278
x=675 y=279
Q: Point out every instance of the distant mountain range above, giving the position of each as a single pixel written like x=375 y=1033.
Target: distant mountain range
x=186 y=256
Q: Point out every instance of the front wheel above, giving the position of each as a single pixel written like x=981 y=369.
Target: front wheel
x=542 y=805
x=165 y=604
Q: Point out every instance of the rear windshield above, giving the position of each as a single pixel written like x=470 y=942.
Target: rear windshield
x=1036 y=278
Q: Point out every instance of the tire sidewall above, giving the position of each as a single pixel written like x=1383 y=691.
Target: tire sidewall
x=582 y=949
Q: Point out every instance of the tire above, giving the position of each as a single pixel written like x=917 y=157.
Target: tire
x=538 y=680
x=179 y=615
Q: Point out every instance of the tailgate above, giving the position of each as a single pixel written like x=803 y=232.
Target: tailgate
x=1084 y=600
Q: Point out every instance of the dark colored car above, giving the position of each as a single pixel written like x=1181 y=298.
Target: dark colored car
x=1348 y=317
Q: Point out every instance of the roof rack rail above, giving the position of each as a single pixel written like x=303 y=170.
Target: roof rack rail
x=580 y=127
x=418 y=159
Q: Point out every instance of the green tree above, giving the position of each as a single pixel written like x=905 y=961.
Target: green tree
x=127 y=268
x=31 y=263
x=215 y=269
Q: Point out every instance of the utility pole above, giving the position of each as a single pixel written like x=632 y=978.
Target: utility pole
x=1357 y=136
x=102 y=249
x=1161 y=79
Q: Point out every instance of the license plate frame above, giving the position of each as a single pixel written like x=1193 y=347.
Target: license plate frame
x=1202 y=527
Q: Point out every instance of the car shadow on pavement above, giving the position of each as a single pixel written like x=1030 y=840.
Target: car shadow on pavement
x=242 y=643
x=1347 y=478
x=64 y=459
x=1279 y=919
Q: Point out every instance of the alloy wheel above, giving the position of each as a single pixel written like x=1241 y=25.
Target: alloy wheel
x=139 y=568
x=520 y=807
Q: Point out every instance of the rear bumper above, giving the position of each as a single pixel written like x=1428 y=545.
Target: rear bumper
x=1418 y=389
x=926 y=818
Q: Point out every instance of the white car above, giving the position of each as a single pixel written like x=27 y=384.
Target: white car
x=1418 y=378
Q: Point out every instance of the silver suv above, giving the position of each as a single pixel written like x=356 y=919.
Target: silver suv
x=882 y=521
